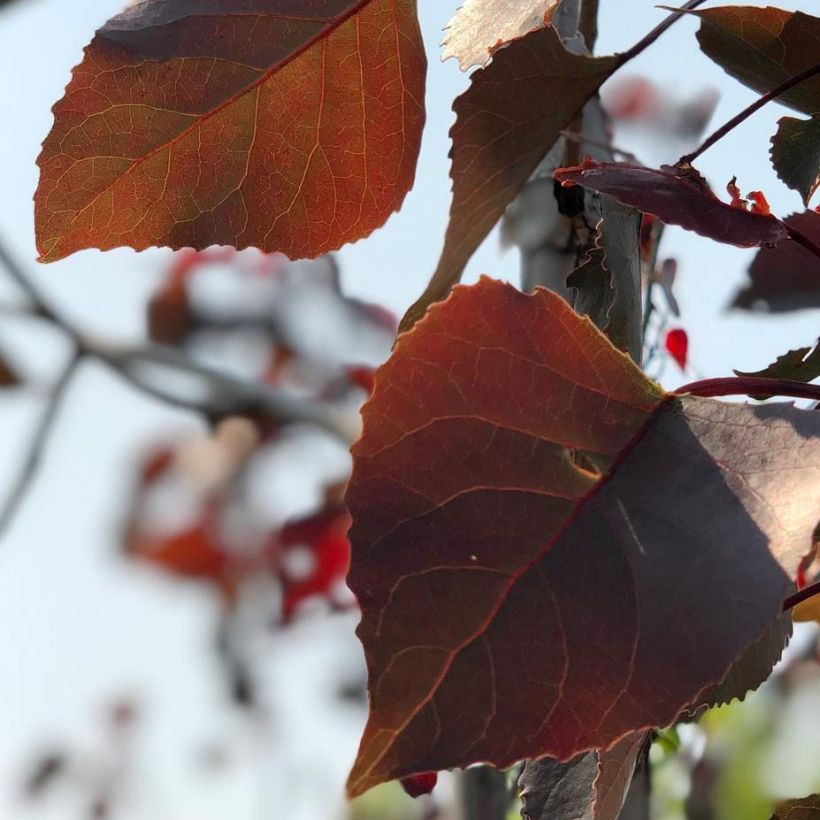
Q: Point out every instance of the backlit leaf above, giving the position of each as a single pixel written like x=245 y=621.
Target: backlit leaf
x=271 y=123
x=506 y=122
x=677 y=197
x=764 y=47
x=796 y=155
x=479 y=28
x=786 y=277
x=484 y=558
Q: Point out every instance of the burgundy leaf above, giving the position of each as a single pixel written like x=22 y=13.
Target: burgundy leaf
x=786 y=277
x=678 y=197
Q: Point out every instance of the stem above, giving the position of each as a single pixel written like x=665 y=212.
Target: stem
x=227 y=394
x=751 y=386
x=803 y=240
x=805 y=594
x=747 y=112
x=39 y=441
x=656 y=32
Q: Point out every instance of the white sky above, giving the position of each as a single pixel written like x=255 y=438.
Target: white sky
x=77 y=625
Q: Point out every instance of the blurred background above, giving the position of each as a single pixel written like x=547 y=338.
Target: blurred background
x=177 y=641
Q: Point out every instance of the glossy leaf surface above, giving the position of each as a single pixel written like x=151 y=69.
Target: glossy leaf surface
x=677 y=197
x=796 y=155
x=262 y=123
x=764 y=47
x=484 y=557
x=506 y=122
x=479 y=28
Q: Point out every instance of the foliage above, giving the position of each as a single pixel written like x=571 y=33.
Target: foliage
x=553 y=557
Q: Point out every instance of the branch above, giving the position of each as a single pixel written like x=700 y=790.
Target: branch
x=724 y=129
x=225 y=394
x=751 y=386
x=39 y=441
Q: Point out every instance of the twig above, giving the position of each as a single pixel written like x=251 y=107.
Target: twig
x=751 y=386
x=228 y=395
x=724 y=129
x=811 y=591
x=39 y=441
x=656 y=32
x=581 y=139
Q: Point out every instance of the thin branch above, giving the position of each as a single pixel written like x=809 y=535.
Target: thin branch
x=39 y=441
x=811 y=591
x=656 y=32
x=751 y=386
x=724 y=129
x=581 y=139
x=228 y=394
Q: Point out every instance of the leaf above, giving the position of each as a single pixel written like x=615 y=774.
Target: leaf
x=592 y=786
x=483 y=556
x=796 y=155
x=266 y=123
x=480 y=28
x=677 y=346
x=801 y=365
x=806 y=809
x=764 y=47
x=506 y=122
x=677 y=197
x=324 y=536
x=786 y=277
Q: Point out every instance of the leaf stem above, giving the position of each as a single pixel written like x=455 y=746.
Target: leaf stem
x=731 y=124
x=799 y=597
x=751 y=386
x=656 y=32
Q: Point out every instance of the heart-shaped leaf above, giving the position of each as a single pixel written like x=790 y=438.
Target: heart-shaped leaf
x=516 y=604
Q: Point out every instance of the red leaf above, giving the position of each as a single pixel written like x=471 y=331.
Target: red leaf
x=231 y=122
x=506 y=122
x=484 y=554
x=418 y=785
x=170 y=317
x=324 y=536
x=677 y=345
x=362 y=377
x=677 y=197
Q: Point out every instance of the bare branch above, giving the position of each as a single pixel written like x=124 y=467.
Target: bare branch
x=222 y=394
x=39 y=441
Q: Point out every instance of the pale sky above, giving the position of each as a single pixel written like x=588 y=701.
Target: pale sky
x=77 y=626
